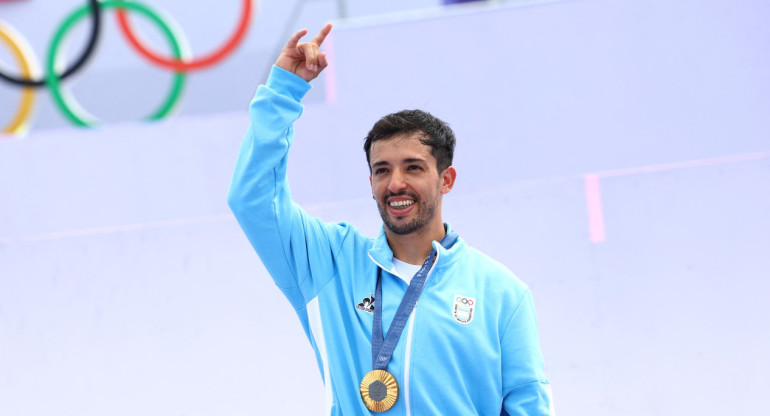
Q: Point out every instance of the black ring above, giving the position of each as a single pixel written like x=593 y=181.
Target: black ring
x=95 y=30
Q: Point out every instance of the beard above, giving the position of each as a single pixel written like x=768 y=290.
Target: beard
x=424 y=215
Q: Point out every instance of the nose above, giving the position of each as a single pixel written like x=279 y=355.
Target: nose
x=397 y=181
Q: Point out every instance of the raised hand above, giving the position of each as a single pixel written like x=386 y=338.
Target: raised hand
x=304 y=59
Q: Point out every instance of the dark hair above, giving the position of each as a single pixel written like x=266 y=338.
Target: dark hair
x=435 y=132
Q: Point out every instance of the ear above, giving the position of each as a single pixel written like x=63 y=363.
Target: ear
x=448 y=177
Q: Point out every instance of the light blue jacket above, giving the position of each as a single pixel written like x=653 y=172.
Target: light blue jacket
x=470 y=346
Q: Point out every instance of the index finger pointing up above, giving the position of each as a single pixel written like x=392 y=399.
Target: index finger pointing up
x=294 y=40
x=319 y=38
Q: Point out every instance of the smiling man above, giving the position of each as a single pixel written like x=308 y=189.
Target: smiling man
x=469 y=347
x=410 y=156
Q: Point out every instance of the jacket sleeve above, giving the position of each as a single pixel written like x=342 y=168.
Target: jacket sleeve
x=297 y=250
x=526 y=391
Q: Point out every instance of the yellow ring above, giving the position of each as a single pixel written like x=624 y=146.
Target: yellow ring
x=18 y=122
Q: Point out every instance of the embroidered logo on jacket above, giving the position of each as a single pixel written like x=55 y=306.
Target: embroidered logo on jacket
x=367 y=305
x=462 y=310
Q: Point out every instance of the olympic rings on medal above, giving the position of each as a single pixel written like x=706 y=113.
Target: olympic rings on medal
x=93 y=5
x=464 y=301
x=178 y=62
x=200 y=63
x=25 y=59
x=67 y=104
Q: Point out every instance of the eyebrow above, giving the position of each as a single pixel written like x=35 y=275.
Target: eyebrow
x=407 y=160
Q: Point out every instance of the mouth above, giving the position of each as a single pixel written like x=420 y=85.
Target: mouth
x=400 y=205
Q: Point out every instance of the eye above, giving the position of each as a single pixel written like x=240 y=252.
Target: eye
x=380 y=171
x=415 y=167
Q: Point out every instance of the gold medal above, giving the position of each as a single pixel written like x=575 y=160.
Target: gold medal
x=379 y=390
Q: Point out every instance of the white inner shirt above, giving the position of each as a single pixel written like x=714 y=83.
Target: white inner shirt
x=405 y=271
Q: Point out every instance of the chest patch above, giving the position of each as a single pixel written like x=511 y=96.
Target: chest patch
x=462 y=309
x=367 y=305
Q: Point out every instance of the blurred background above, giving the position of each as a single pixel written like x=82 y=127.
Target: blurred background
x=614 y=154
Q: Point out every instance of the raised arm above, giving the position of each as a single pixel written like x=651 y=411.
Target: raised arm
x=289 y=242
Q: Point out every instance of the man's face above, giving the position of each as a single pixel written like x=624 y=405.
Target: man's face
x=406 y=184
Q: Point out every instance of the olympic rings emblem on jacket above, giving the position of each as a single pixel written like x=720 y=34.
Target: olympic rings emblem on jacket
x=464 y=301
x=179 y=62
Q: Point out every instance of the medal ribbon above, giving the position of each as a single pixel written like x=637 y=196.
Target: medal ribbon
x=382 y=348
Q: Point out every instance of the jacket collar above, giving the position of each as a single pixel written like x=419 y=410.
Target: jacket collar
x=382 y=255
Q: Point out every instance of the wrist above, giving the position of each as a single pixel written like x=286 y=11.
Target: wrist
x=287 y=83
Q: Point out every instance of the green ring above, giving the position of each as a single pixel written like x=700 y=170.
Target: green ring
x=68 y=105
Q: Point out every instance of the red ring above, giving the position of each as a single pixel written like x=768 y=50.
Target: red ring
x=193 y=64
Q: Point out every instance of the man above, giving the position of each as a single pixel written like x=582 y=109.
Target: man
x=469 y=347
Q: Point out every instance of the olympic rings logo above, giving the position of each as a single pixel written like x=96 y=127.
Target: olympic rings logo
x=179 y=62
x=464 y=301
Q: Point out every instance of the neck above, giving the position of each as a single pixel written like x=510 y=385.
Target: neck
x=413 y=248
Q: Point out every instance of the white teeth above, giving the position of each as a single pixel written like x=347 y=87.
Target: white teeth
x=401 y=204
